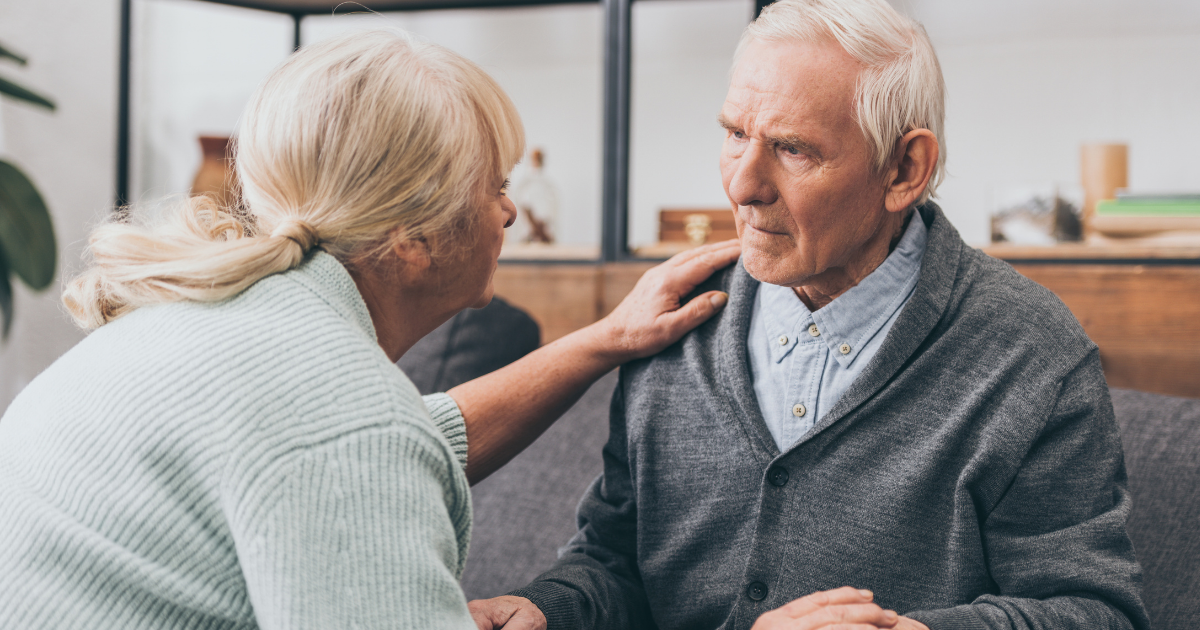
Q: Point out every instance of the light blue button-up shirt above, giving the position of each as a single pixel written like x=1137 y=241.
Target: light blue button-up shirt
x=802 y=362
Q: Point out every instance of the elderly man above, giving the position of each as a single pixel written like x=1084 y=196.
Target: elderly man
x=879 y=407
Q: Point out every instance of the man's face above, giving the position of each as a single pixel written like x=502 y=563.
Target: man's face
x=795 y=165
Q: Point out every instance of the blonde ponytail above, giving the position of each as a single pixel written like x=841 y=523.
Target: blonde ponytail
x=198 y=252
x=348 y=144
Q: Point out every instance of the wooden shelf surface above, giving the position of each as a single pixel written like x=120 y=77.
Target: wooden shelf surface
x=1067 y=252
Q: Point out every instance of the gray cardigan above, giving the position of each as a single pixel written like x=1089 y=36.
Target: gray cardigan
x=972 y=477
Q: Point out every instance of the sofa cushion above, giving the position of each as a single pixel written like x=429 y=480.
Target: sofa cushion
x=1161 y=437
x=525 y=511
x=469 y=345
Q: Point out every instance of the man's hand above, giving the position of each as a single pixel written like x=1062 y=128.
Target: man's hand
x=510 y=613
x=845 y=607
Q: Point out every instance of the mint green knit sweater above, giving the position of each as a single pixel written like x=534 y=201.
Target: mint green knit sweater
x=257 y=462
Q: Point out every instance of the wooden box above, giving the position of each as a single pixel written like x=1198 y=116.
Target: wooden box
x=715 y=224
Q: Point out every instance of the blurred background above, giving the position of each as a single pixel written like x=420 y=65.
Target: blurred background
x=1030 y=82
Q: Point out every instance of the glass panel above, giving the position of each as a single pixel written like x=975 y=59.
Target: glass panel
x=550 y=62
x=682 y=52
x=195 y=64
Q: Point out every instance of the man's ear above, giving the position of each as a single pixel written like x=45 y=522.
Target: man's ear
x=912 y=167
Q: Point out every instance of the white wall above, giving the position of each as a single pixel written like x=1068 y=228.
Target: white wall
x=681 y=57
x=72 y=48
x=1029 y=81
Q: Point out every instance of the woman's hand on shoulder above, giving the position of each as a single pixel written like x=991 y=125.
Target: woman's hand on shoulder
x=653 y=315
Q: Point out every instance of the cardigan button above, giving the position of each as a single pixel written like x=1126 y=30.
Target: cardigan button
x=757 y=591
x=778 y=476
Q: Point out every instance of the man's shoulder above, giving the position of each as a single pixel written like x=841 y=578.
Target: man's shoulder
x=997 y=299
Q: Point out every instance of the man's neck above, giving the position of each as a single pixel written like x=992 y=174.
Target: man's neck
x=826 y=286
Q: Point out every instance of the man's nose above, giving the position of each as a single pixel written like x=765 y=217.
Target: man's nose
x=752 y=183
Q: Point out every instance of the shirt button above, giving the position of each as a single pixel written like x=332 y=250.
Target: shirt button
x=813 y=330
x=798 y=410
x=778 y=476
x=757 y=591
x=783 y=340
x=844 y=348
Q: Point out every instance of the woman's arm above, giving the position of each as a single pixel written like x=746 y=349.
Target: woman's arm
x=345 y=534
x=507 y=410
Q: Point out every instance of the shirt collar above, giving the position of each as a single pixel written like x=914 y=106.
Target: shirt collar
x=783 y=317
x=850 y=321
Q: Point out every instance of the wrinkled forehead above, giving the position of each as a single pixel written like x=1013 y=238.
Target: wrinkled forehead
x=790 y=83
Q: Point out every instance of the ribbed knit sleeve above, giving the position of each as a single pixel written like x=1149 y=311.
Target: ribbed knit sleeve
x=449 y=420
x=357 y=532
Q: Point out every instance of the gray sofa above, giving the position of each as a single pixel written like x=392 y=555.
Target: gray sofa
x=525 y=511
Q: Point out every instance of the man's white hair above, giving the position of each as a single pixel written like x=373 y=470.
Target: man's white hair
x=900 y=88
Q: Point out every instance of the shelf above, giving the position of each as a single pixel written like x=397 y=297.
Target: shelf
x=556 y=253
x=1077 y=252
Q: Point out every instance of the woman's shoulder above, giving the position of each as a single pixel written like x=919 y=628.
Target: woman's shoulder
x=295 y=354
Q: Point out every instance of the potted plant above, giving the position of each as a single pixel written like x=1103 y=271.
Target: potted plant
x=27 y=246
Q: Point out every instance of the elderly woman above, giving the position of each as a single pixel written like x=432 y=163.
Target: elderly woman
x=233 y=447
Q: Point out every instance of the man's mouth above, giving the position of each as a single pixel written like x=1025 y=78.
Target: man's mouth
x=765 y=230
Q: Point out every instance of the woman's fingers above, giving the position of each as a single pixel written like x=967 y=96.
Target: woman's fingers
x=685 y=256
x=691 y=272
x=669 y=282
x=694 y=313
x=651 y=317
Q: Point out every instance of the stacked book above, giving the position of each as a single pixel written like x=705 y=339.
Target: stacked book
x=1166 y=218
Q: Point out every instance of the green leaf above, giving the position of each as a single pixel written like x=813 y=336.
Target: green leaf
x=26 y=232
x=22 y=94
x=8 y=54
x=6 y=296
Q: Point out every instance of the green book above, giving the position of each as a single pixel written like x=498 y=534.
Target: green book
x=1162 y=207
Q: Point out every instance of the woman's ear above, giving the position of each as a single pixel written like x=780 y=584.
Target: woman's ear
x=414 y=254
x=912 y=167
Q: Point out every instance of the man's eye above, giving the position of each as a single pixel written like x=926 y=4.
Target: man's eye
x=792 y=150
x=739 y=135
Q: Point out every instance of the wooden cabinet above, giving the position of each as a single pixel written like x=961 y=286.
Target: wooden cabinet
x=1141 y=307
x=564 y=297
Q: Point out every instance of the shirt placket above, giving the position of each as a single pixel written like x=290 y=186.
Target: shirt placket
x=804 y=382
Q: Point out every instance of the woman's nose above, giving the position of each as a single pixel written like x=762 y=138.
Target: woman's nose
x=510 y=210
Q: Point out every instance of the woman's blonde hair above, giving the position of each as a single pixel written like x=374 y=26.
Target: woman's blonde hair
x=901 y=86
x=349 y=144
